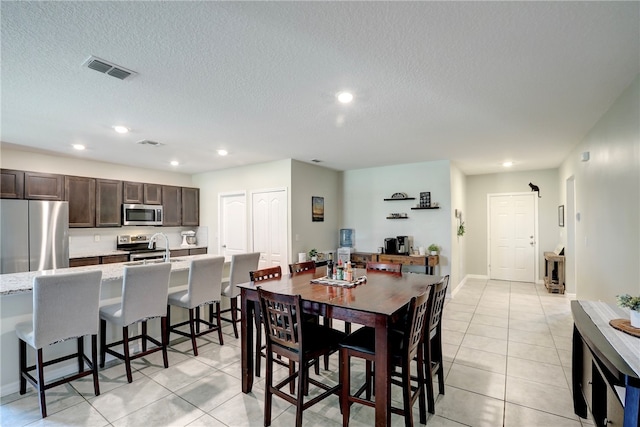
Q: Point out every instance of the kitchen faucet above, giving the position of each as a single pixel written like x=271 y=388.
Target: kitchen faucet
x=166 y=242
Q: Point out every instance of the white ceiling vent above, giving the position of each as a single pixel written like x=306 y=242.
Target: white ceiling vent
x=151 y=143
x=109 y=68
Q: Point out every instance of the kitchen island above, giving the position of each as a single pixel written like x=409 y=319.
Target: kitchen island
x=16 y=306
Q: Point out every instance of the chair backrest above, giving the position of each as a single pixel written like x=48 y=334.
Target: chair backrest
x=205 y=280
x=437 y=303
x=65 y=306
x=382 y=267
x=417 y=320
x=144 y=292
x=302 y=267
x=280 y=320
x=241 y=266
x=270 y=273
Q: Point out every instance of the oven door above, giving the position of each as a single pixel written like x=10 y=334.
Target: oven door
x=146 y=256
x=141 y=214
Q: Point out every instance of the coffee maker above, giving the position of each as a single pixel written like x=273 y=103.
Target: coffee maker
x=404 y=245
x=391 y=245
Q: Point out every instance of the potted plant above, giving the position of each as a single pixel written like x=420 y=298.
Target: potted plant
x=313 y=254
x=433 y=248
x=633 y=304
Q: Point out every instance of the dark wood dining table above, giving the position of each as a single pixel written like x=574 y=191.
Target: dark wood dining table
x=376 y=303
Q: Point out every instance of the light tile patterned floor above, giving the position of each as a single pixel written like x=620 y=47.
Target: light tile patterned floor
x=507 y=360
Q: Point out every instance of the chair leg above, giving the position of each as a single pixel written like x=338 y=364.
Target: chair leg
x=103 y=341
x=40 y=368
x=345 y=379
x=23 y=365
x=421 y=398
x=164 y=333
x=94 y=364
x=80 y=354
x=268 y=396
x=428 y=377
x=168 y=321
x=125 y=352
x=234 y=315
x=258 y=338
x=303 y=386
x=406 y=395
x=218 y=320
x=192 y=331
x=144 y=335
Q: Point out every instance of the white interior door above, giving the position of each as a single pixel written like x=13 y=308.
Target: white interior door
x=512 y=237
x=232 y=224
x=269 y=210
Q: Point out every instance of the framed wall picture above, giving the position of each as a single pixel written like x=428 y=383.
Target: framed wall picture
x=561 y=215
x=317 y=209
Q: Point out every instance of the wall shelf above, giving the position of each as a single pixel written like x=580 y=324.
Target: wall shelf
x=405 y=198
x=397 y=217
x=433 y=207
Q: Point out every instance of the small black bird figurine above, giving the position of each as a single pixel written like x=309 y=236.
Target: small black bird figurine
x=535 y=188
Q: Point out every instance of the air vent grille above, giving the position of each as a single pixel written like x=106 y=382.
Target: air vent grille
x=109 y=68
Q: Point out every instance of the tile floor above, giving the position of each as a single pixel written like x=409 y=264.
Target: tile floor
x=507 y=361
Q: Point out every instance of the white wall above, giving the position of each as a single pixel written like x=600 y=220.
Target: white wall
x=477 y=188
x=607 y=192
x=458 y=244
x=309 y=180
x=366 y=211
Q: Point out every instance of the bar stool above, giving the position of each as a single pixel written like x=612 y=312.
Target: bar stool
x=204 y=287
x=65 y=306
x=269 y=273
x=144 y=296
x=433 y=342
x=241 y=266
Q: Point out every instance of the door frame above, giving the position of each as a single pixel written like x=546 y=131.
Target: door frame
x=536 y=265
x=221 y=196
x=288 y=213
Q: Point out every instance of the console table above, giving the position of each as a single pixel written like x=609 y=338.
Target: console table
x=597 y=371
x=360 y=259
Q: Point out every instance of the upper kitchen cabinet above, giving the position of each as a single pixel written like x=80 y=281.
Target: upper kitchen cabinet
x=80 y=192
x=152 y=194
x=172 y=205
x=108 y=203
x=190 y=206
x=43 y=186
x=142 y=193
x=132 y=192
x=11 y=184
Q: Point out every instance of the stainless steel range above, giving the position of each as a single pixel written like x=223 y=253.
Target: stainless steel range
x=138 y=247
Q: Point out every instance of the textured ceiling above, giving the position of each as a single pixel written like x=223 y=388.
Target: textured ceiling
x=474 y=82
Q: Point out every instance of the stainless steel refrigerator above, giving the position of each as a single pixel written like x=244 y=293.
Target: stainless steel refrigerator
x=34 y=235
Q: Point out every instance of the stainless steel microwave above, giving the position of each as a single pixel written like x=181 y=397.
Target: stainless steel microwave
x=141 y=214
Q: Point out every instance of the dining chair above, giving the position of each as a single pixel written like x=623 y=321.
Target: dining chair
x=433 y=363
x=144 y=296
x=241 y=265
x=302 y=267
x=300 y=342
x=404 y=347
x=381 y=267
x=204 y=286
x=65 y=306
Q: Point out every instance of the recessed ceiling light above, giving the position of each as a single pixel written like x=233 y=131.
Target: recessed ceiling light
x=507 y=164
x=79 y=147
x=345 y=97
x=175 y=163
x=121 y=129
x=222 y=152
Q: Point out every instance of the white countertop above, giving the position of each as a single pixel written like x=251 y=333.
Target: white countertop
x=95 y=253
x=23 y=282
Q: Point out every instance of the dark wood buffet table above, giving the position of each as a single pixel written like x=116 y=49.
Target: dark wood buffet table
x=597 y=370
x=375 y=303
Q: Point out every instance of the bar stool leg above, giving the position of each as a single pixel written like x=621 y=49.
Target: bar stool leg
x=23 y=366
x=234 y=315
x=194 y=346
x=94 y=364
x=125 y=351
x=144 y=335
x=218 y=320
x=164 y=334
x=80 y=354
x=40 y=369
x=168 y=321
x=103 y=341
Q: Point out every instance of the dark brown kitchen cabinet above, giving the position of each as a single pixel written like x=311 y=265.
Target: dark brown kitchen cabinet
x=108 y=203
x=43 y=186
x=179 y=252
x=198 y=251
x=153 y=194
x=132 y=192
x=80 y=192
x=172 y=206
x=112 y=259
x=11 y=184
x=190 y=206
x=82 y=262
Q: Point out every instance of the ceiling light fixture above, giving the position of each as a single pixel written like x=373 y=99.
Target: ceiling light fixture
x=121 y=129
x=222 y=152
x=175 y=163
x=79 y=147
x=345 y=97
x=507 y=164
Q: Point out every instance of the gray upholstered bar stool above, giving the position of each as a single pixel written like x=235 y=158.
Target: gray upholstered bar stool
x=144 y=296
x=204 y=287
x=241 y=266
x=65 y=306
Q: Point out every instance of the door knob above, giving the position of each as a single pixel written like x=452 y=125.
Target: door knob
x=224 y=246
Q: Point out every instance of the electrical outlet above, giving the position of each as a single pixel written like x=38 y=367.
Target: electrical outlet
x=96 y=237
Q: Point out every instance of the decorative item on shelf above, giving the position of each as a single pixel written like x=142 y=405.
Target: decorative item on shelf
x=313 y=254
x=433 y=249
x=633 y=304
x=425 y=199
x=399 y=196
x=397 y=216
